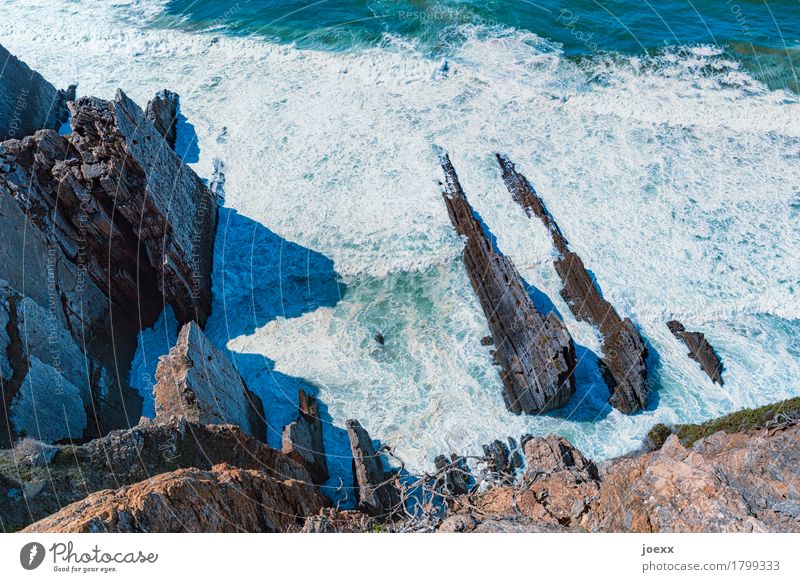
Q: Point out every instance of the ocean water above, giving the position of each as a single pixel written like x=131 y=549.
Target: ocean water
x=666 y=145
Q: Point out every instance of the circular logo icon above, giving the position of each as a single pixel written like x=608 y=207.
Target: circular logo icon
x=31 y=555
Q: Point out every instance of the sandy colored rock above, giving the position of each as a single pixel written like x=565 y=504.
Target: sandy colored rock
x=224 y=499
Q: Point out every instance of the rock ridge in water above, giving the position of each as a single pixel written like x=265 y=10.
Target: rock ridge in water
x=699 y=350
x=302 y=439
x=535 y=352
x=624 y=360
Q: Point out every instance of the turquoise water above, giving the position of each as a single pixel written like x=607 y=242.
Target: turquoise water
x=763 y=35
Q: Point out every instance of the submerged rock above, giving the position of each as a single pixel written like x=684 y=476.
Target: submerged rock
x=535 y=352
x=699 y=350
x=302 y=439
x=28 y=102
x=224 y=499
x=162 y=110
x=376 y=495
x=624 y=360
x=196 y=381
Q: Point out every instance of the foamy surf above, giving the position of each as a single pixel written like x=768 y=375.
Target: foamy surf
x=675 y=177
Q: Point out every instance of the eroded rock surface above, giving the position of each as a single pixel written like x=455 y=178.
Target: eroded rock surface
x=376 y=495
x=624 y=361
x=302 y=439
x=162 y=110
x=223 y=499
x=70 y=473
x=699 y=350
x=535 y=352
x=196 y=381
x=741 y=482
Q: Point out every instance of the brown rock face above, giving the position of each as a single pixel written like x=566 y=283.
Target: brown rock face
x=198 y=382
x=699 y=350
x=224 y=499
x=375 y=494
x=122 y=204
x=70 y=473
x=535 y=353
x=162 y=110
x=302 y=439
x=748 y=481
x=624 y=361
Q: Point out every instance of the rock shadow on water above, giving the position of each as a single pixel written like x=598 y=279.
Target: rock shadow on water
x=260 y=276
x=186 y=143
x=590 y=401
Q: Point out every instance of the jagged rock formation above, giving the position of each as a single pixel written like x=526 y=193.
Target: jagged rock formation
x=28 y=102
x=162 y=111
x=535 y=352
x=699 y=350
x=624 y=361
x=224 y=499
x=376 y=495
x=70 y=473
x=302 y=439
x=124 y=206
x=455 y=474
x=100 y=228
x=747 y=481
x=504 y=459
x=198 y=382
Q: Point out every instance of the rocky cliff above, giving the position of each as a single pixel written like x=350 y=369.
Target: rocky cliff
x=28 y=102
x=101 y=228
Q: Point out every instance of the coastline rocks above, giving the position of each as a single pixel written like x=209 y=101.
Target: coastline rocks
x=196 y=381
x=375 y=494
x=28 y=102
x=740 y=482
x=535 y=353
x=699 y=350
x=624 y=361
x=125 y=457
x=302 y=439
x=224 y=499
x=162 y=111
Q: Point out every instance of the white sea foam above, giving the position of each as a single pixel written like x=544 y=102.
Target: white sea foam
x=675 y=177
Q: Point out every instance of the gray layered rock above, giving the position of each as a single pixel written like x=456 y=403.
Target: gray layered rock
x=535 y=352
x=119 y=202
x=162 y=110
x=302 y=439
x=196 y=381
x=699 y=350
x=28 y=102
x=624 y=360
x=376 y=495
x=52 y=391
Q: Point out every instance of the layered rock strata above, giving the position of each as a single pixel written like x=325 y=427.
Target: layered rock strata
x=375 y=491
x=302 y=439
x=535 y=352
x=624 y=360
x=162 y=111
x=699 y=350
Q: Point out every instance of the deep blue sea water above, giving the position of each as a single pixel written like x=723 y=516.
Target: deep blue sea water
x=763 y=35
